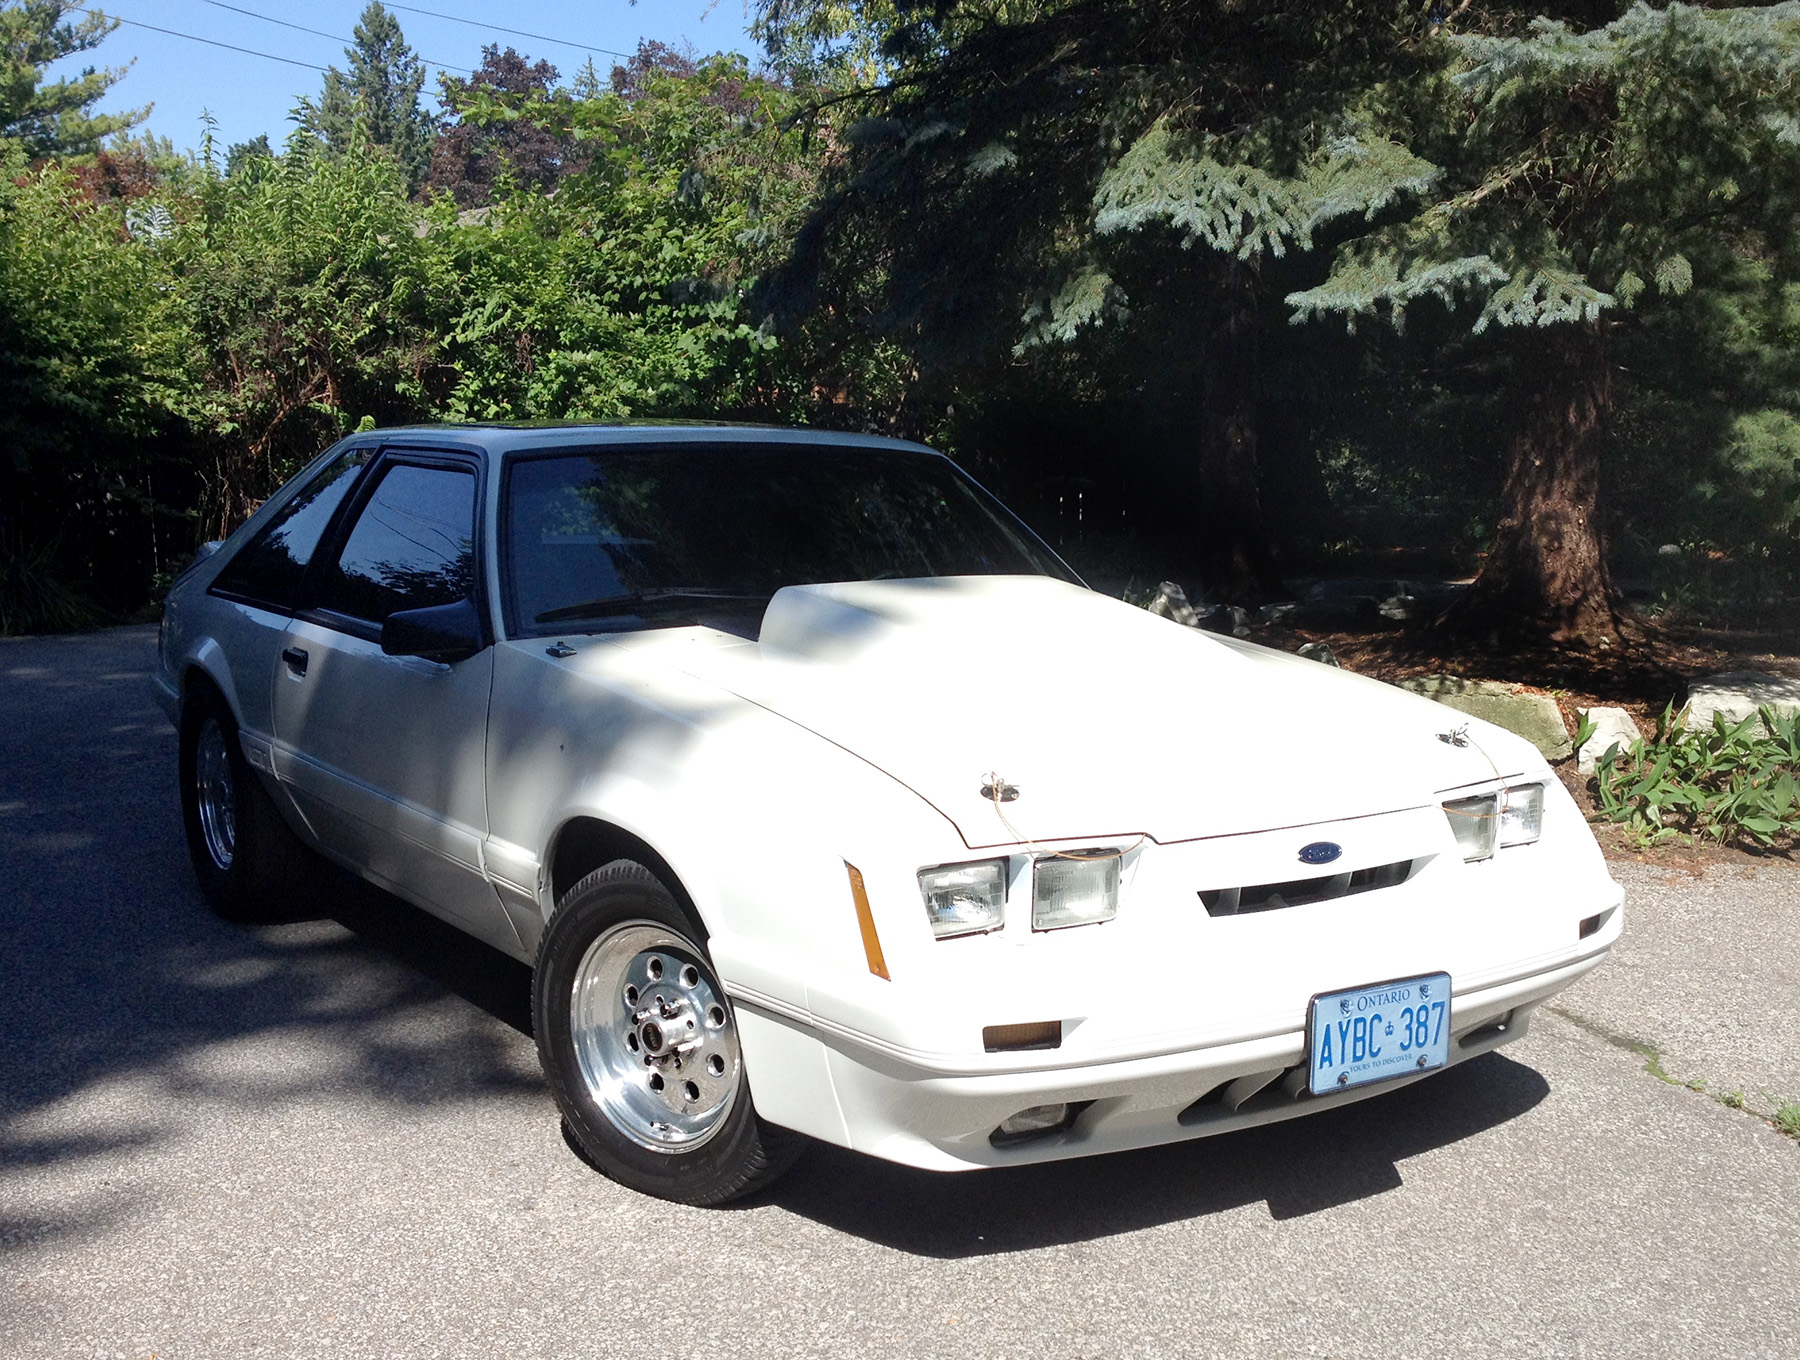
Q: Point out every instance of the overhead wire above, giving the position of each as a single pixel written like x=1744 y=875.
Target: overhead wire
x=318 y=32
x=516 y=32
x=195 y=37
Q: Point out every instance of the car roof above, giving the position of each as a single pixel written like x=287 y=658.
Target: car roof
x=504 y=438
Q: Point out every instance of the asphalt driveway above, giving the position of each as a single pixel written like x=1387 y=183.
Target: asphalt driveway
x=330 y=1137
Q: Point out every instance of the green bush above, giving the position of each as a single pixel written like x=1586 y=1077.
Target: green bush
x=1727 y=782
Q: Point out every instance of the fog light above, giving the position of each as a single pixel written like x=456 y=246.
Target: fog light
x=1522 y=814
x=1475 y=824
x=1031 y=1123
x=1075 y=889
x=963 y=899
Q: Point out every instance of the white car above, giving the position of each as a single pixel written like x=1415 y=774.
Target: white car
x=826 y=800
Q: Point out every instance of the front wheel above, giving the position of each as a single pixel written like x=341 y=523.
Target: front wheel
x=640 y=1045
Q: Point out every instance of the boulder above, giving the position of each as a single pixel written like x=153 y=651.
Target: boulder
x=1613 y=727
x=1738 y=694
x=1171 y=602
x=1317 y=651
x=1535 y=717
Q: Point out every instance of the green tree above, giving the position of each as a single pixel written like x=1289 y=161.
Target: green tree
x=624 y=293
x=92 y=377
x=58 y=118
x=380 y=93
x=304 y=289
x=1116 y=175
x=240 y=155
x=1590 y=175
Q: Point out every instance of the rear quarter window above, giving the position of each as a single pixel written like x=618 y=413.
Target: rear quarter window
x=269 y=569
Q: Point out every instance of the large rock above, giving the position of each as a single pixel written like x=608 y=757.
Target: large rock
x=1738 y=694
x=1171 y=602
x=1365 y=599
x=1533 y=716
x=1317 y=651
x=1613 y=728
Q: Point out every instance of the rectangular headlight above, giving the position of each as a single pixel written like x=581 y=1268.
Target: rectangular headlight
x=1474 y=822
x=1074 y=891
x=963 y=899
x=1522 y=814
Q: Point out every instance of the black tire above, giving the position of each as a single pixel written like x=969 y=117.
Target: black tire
x=741 y=1153
x=258 y=876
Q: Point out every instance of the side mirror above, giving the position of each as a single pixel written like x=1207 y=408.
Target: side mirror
x=447 y=632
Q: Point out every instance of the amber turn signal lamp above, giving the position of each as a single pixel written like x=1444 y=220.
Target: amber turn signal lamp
x=866 y=919
x=1019 y=1038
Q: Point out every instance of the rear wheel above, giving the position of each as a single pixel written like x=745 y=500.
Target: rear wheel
x=640 y=1045
x=247 y=861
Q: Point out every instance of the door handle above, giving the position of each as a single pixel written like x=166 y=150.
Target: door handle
x=296 y=660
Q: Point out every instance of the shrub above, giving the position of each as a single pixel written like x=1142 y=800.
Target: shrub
x=1727 y=782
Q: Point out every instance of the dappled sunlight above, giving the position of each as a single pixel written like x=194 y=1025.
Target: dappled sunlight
x=125 y=1001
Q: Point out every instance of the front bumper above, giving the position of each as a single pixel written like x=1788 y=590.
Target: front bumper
x=908 y=1109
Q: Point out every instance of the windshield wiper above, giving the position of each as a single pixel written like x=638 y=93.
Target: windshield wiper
x=609 y=605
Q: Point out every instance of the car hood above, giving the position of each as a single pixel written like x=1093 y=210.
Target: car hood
x=1108 y=720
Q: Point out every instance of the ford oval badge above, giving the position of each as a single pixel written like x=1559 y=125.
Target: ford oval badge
x=1320 y=852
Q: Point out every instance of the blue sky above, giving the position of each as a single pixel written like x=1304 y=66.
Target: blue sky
x=250 y=94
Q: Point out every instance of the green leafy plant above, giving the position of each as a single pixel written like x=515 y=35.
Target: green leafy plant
x=1726 y=782
x=1787 y=1119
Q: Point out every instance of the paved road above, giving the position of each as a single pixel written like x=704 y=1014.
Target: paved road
x=329 y=1138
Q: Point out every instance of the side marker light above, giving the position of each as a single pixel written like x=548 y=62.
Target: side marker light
x=866 y=920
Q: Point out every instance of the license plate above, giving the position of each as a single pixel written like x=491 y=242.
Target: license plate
x=1374 y=1033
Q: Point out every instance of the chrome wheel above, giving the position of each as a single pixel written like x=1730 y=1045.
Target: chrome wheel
x=215 y=797
x=654 y=1037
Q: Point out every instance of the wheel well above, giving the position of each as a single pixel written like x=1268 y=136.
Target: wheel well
x=198 y=687
x=584 y=844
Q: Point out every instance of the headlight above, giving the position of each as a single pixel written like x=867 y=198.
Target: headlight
x=1482 y=825
x=1522 y=814
x=962 y=899
x=1473 y=822
x=1074 y=891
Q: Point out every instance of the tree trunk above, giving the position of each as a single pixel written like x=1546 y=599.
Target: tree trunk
x=1236 y=556
x=1546 y=581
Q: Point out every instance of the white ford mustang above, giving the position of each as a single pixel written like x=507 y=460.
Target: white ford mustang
x=825 y=799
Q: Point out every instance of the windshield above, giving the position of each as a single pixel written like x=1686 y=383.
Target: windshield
x=629 y=537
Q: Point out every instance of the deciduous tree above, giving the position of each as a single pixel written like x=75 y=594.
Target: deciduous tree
x=470 y=155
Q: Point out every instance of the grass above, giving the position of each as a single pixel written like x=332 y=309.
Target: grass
x=1786 y=1118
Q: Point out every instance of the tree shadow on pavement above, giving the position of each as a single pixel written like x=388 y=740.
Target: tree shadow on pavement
x=112 y=970
x=1297 y=1167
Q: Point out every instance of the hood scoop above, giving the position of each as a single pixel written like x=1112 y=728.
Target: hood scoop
x=1110 y=722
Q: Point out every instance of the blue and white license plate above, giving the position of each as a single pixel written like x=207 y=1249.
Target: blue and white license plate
x=1392 y=1029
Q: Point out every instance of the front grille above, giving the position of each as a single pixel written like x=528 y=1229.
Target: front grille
x=1301 y=891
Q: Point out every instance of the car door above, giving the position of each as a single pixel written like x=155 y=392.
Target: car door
x=260 y=588
x=383 y=754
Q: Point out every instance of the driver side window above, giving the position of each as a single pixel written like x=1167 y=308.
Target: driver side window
x=412 y=545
